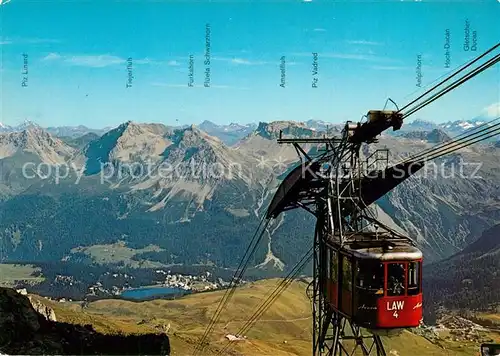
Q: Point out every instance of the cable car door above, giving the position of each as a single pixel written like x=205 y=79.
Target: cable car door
x=346 y=281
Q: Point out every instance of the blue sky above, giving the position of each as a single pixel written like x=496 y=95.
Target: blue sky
x=77 y=51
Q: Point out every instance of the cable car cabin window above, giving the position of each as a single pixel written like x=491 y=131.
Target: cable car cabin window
x=334 y=266
x=347 y=274
x=396 y=279
x=370 y=276
x=413 y=278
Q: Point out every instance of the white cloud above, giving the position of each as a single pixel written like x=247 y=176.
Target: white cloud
x=363 y=42
x=104 y=60
x=389 y=68
x=51 y=56
x=15 y=40
x=86 y=61
x=98 y=61
x=170 y=85
x=241 y=61
x=153 y=61
x=358 y=57
x=246 y=62
x=492 y=110
x=144 y=61
x=349 y=56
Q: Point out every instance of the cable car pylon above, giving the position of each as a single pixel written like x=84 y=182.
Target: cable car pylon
x=366 y=277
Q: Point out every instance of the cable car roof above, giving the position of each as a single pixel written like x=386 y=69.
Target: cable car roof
x=384 y=250
x=383 y=246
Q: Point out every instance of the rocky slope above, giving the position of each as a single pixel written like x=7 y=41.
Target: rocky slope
x=36 y=141
x=24 y=331
x=433 y=136
x=28 y=155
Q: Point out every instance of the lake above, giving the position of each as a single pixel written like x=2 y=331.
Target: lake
x=152 y=292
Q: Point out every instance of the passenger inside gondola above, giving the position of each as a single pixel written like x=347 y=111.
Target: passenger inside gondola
x=396 y=279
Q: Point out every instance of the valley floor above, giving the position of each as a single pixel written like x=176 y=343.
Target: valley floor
x=285 y=329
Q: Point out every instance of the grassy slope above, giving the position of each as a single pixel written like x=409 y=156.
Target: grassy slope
x=119 y=252
x=10 y=273
x=289 y=319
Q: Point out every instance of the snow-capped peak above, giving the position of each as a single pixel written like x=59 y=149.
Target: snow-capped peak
x=465 y=125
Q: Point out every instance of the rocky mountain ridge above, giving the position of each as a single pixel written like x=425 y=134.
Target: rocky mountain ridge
x=59 y=131
x=232 y=133
x=452 y=128
x=36 y=141
x=434 y=136
x=143 y=174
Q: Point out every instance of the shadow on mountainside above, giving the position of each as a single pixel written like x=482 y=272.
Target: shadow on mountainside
x=23 y=331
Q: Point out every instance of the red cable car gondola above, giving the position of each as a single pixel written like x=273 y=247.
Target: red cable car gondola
x=369 y=280
x=375 y=283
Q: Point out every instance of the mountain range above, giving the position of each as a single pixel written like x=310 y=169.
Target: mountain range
x=232 y=133
x=198 y=200
x=61 y=131
x=451 y=128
